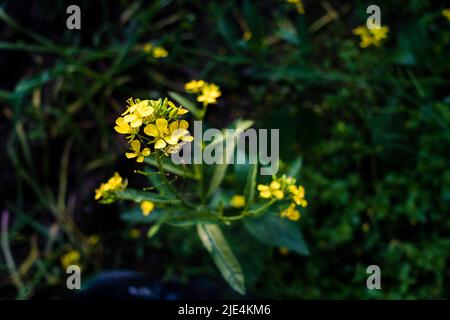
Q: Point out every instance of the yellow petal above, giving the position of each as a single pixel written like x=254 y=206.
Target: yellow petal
x=262 y=187
x=265 y=194
x=160 y=144
x=275 y=185
x=278 y=194
x=136 y=123
x=184 y=124
x=174 y=126
x=172 y=139
x=151 y=130
x=130 y=155
x=140 y=159
x=130 y=117
x=122 y=129
x=145 y=152
x=161 y=124
x=136 y=145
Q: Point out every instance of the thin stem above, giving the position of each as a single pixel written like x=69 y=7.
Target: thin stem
x=171 y=187
x=258 y=211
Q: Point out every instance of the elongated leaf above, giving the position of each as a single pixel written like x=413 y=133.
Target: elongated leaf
x=139 y=196
x=221 y=169
x=275 y=231
x=214 y=241
x=185 y=103
x=249 y=192
x=172 y=168
x=295 y=167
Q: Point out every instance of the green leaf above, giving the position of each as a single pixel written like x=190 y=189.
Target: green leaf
x=295 y=167
x=214 y=241
x=139 y=196
x=275 y=231
x=221 y=169
x=170 y=167
x=185 y=103
x=249 y=191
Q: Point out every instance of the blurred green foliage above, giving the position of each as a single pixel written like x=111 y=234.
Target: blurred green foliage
x=372 y=127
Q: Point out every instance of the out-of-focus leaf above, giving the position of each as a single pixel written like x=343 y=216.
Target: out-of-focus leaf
x=230 y=141
x=250 y=186
x=186 y=103
x=214 y=241
x=275 y=231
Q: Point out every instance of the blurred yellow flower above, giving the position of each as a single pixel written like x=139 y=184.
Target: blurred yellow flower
x=194 y=86
x=291 y=213
x=283 y=251
x=247 y=35
x=210 y=93
x=92 y=240
x=137 y=153
x=160 y=52
x=70 y=258
x=147 y=207
x=116 y=182
x=446 y=13
x=298 y=5
x=157 y=52
x=237 y=201
x=372 y=36
x=298 y=195
x=135 y=233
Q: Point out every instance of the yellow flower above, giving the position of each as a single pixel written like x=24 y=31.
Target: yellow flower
x=372 y=36
x=137 y=113
x=298 y=5
x=160 y=52
x=156 y=51
x=210 y=93
x=70 y=258
x=137 y=152
x=446 y=13
x=147 y=48
x=237 y=201
x=116 y=182
x=247 y=35
x=135 y=233
x=272 y=190
x=93 y=240
x=147 y=207
x=298 y=195
x=166 y=134
x=194 y=86
x=291 y=213
x=123 y=127
x=365 y=227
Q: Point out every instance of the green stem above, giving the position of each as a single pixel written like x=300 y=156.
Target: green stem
x=171 y=187
x=261 y=209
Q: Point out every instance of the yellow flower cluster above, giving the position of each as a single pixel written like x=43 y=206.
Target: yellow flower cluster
x=70 y=258
x=446 y=13
x=237 y=201
x=106 y=190
x=285 y=187
x=157 y=52
x=207 y=93
x=299 y=5
x=161 y=127
x=373 y=36
x=147 y=207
